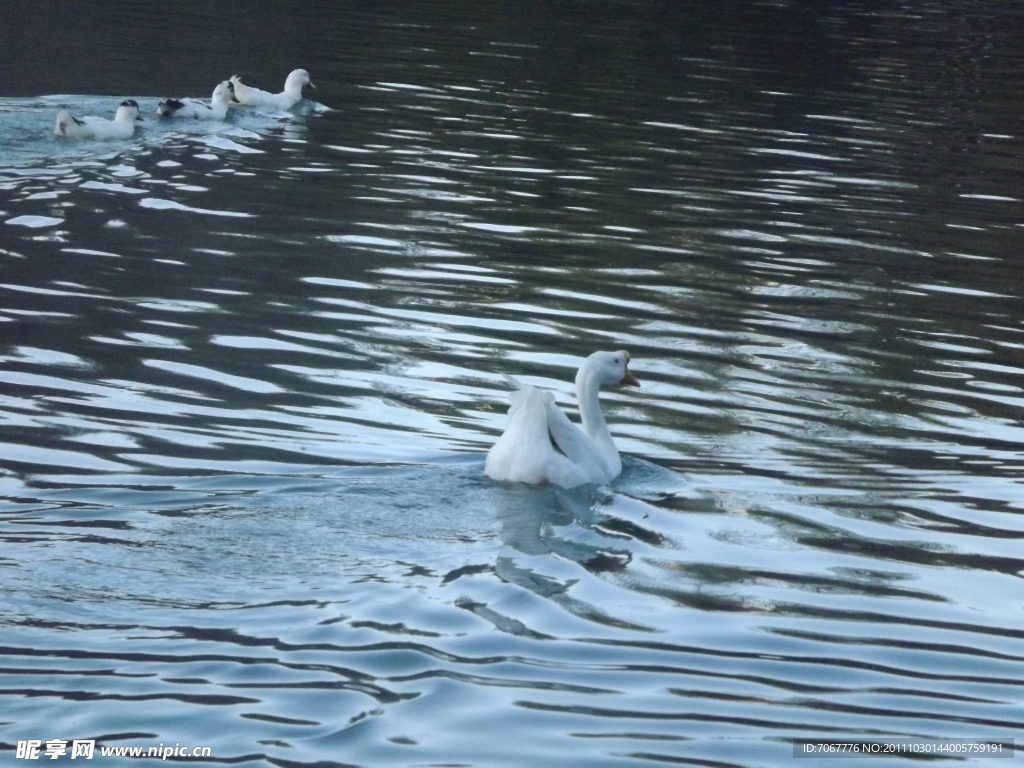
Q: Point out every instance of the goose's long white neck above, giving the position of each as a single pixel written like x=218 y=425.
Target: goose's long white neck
x=587 y=389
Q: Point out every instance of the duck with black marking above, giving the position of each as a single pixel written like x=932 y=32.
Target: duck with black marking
x=217 y=109
x=121 y=127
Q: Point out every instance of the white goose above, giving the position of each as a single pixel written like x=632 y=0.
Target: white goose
x=286 y=99
x=89 y=127
x=217 y=109
x=524 y=452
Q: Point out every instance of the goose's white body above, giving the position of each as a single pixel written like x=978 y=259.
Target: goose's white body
x=526 y=452
x=89 y=127
x=286 y=99
x=217 y=109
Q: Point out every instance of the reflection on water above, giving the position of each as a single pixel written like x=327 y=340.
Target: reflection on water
x=249 y=369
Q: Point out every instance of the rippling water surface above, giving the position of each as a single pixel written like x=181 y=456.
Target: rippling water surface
x=249 y=371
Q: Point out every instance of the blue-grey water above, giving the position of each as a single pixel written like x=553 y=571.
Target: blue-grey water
x=249 y=371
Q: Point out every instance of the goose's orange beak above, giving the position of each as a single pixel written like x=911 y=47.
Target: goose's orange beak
x=629 y=380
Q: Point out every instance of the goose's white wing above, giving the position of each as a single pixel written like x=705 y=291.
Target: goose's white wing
x=524 y=452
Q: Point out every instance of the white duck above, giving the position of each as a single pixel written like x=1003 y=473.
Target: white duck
x=89 y=127
x=286 y=99
x=217 y=109
x=524 y=453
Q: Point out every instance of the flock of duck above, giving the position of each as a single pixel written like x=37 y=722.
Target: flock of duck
x=231 y=91
x=540 y=445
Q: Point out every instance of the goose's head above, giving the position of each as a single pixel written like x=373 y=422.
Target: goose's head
x=610 y=368
x=128 y=111
x=296 y=79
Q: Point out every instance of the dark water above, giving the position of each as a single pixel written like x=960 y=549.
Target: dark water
x=248 y=372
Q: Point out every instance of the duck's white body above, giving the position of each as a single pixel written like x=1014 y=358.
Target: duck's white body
x=526 y=452
x=286 y=99
x=89 y=127
x=217 y=109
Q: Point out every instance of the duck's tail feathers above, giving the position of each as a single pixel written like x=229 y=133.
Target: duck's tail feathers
x=237 y=86
x=524 y=392
x=65 y=123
